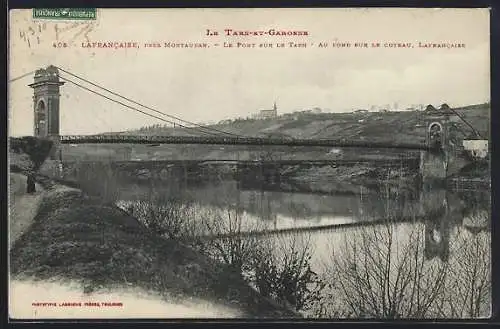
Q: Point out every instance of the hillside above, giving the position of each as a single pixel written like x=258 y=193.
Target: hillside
x=403 y=126
x=60 y=234
x=75 y=238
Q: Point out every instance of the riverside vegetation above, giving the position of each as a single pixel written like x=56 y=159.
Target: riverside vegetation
x=376 y=272
x=372 y=272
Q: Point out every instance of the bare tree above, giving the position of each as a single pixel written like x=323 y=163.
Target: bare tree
x=165 y=215
x=468 y=285
x=233 y=249
x=278 y=267
x=377 y=275
x=282 y=269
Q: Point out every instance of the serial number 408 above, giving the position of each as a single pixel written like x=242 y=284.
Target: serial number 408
x=60 y=45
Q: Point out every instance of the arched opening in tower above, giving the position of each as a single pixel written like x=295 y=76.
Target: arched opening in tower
x=40 y=119
x=436 y=136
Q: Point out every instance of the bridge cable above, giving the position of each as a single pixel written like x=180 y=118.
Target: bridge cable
x=147 y=107
x=21 y=76
x=467 y=123
x=133 y=108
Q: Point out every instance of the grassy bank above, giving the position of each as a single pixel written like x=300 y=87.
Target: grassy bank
x=75 y=237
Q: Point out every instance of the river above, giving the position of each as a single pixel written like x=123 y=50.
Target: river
x=370 y=248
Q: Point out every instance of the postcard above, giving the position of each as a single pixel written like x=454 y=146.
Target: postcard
x=320 y=163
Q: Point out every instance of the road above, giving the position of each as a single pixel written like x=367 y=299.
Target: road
x=22 y=206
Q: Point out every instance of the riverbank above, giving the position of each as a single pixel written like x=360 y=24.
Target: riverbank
x=22 y=206
x=329 y=179
x=74 y=237
x=306 y=178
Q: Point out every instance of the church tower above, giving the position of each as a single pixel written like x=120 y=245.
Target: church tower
x=46 y=102
x=275 y=109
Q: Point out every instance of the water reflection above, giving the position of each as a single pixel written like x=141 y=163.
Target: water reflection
x=384 y=265
x=274 y=212
x=435 y=243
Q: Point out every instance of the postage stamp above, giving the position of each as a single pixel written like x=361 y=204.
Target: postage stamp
x=65 y=13
x=249 y=163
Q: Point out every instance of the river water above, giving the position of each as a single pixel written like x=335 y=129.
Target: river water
x=448 y=228
x=396 y=251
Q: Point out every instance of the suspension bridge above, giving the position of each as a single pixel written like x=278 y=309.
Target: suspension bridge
x=434 y=160
x=46 y=87
x=224 y=140
x=46 y=97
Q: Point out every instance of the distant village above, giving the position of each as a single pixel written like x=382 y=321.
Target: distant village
x=265 y=114
x=472 y=142
x=476 y=146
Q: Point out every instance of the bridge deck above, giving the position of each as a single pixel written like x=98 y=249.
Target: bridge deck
x=267 y=162
x=217 y=140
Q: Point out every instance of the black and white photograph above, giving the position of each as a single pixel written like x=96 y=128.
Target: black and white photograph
x=250 y=163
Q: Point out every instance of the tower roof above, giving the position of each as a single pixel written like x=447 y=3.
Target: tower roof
x=50 y=75
x=443 y=110
x=430 y=108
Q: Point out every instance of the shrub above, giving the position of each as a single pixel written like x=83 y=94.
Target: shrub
x=287 y=277
x=37 y=149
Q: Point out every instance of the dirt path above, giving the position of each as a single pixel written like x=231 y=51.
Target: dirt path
x=22 y=206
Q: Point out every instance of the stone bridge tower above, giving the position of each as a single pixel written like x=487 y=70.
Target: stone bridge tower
x=437 y=227
x=434 y=171
x=46 y=105
x=434 y=164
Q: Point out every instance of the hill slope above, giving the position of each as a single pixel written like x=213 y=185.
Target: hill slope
x=404 y=126
x=74 y=237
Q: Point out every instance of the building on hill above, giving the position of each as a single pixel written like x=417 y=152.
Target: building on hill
x=267 y=114
x=477 y=148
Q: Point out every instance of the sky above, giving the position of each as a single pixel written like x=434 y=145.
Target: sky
x=216 y=83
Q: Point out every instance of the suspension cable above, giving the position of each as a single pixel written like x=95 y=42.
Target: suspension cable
x=467 y=123
x=21 y=76
x=148 y=107
x=133 y=108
